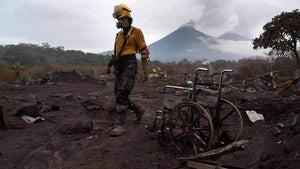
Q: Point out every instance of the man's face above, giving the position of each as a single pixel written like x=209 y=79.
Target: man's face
x=122 y=23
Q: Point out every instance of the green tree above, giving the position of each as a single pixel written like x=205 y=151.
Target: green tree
x=281 y=34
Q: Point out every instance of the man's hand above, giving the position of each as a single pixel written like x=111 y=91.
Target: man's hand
x=109 y=64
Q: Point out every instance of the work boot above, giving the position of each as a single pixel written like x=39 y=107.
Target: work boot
x=118 y=130
x=138 y=110
x=139 y=114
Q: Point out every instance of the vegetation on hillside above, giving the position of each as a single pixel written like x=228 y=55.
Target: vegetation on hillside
x=33 y=55
x=31 y=61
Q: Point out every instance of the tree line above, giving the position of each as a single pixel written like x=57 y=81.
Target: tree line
x=32 y=54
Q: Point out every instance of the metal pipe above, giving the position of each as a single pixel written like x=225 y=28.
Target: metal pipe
x=221 y=81
x=220 y=93
x=226 y=70
x=177 y=87
x=201 y=68
x=193 y=96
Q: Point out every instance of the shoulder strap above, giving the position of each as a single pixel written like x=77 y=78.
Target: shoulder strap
x=125 y=41
x=129 y=33
x=117 y=34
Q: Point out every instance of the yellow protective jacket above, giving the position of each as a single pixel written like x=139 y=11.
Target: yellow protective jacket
x=134 y=42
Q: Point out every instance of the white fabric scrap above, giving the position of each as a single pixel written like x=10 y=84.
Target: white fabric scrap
x=253 y=116
x=31 y=120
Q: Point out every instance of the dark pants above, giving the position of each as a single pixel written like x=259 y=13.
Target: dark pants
x=125 y=72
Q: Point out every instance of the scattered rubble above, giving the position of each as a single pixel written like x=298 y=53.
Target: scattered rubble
x=79 y=116
x=95 y=103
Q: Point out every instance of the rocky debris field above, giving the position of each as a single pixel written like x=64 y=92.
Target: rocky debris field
x=78 y=115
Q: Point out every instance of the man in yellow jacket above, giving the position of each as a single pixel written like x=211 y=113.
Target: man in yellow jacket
x=129 y=41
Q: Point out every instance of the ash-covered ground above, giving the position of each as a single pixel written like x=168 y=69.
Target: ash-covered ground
x=79 y=115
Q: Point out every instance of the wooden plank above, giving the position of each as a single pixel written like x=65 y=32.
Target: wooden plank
x=216 y=151
x=200 y=165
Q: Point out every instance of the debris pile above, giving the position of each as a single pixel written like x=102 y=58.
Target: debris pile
x=68 y=77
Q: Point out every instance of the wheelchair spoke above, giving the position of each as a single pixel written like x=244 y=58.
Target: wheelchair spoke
x=225 y=117
x=199 y=138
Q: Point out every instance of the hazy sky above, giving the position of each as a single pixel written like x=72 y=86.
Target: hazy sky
x=88 y=25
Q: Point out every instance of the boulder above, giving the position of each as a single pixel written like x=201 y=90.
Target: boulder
x=32 y=110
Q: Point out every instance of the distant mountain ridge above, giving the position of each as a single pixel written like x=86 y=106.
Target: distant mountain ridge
x=233 y=36
x=188 y=43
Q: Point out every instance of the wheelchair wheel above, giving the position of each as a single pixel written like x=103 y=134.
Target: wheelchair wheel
x=191 y=128
x=229 y=127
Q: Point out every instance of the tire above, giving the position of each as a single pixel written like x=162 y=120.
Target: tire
x=230 y=126
x=191 y=128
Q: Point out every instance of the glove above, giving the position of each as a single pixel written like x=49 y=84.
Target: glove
x=108 y=65
x=145 y=75
x=144 y=71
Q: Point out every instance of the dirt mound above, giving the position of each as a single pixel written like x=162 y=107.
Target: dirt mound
x=273 y=141
x=68 y=77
